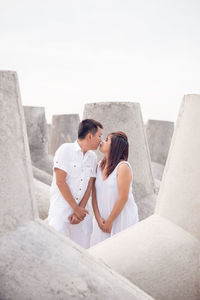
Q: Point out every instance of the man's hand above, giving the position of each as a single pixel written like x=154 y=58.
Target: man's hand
x=80 y=212
x=107 y=227
x=73 y=219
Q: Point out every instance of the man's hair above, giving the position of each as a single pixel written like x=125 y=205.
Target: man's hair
x=86 y=126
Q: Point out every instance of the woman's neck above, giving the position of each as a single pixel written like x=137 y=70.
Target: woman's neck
x=105 y=165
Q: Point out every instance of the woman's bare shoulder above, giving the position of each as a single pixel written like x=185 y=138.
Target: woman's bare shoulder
x=124 y=168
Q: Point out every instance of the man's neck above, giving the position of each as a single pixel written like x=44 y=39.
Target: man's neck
x=82 y=145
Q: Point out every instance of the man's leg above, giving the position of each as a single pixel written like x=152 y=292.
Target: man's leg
x=81 y=233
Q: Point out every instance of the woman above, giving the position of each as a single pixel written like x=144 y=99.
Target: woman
x=112 y=200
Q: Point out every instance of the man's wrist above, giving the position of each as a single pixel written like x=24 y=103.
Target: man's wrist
x=74 y=206
x=81 y=205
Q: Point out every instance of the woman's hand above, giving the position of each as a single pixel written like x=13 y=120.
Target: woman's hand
x=100 y=222
x=107 y=226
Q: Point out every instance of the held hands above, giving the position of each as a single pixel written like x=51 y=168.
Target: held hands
x=80 y=212
x=101 y=222
x=73 y=219
x=105 y=226
x=78 y=215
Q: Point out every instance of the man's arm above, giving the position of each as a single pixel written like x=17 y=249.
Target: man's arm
x=73 y=220
x=80 y=212
x=86 y=196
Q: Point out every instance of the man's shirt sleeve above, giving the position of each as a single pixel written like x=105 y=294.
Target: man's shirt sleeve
x=61 y=158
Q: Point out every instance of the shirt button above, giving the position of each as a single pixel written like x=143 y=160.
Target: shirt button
x=76 y=198
x=74 y=166
x=80 y=189
x=81 y=179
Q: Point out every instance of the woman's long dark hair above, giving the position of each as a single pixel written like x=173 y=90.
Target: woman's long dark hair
x=118 y=151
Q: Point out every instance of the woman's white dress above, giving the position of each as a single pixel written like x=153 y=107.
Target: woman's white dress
x=107 y=195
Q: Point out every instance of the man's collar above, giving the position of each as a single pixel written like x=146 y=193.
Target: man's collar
x=77 y=146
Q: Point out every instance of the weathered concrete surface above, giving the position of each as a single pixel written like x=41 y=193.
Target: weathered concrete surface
x=157 y=183
x=38 y=138
x=179 y=196
x=16 y=189
x=35 y=261
x=157 y=170
x=127 y=117
x=49 y=136
x=158 y=256
x=146 y=206
x=64 y=129
x=159 y=135
x=42 y=176
x=41 y=264
x=42 y=195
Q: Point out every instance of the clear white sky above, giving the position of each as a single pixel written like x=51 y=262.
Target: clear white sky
x=71 y=52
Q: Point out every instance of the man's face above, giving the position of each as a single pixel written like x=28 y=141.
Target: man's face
x=96 y=139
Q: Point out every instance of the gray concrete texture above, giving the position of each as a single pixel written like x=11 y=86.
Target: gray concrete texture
x=157 y=170
x=179 y=196
x=159 y=135
x=64 y=129
x=38 y=138
x=158 y=256
x=42 y=196
x=42 y=176
x=49 y=136
x=127 y=117
x=16 y=188
x=36 y=262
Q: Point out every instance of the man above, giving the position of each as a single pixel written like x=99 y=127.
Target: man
x=74 y=171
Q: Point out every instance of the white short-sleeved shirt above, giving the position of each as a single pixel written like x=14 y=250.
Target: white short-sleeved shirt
x=79 y=168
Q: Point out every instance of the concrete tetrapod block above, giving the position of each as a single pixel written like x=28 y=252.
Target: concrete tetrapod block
x=64 y=129
x=16 y=188
x=156 y=255
x=41 y=264
x=179 y=195
x=42 y=176
x=127 y=117
x=35 y=261
x=159 y=135
x=42 y=195
x=38 y=138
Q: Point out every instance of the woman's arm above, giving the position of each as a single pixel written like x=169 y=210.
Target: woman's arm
x=123 y=180
x=94 y=202
x=98 y=217
x=86 y=196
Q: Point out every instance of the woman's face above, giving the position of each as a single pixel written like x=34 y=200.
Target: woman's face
x=105 y=145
